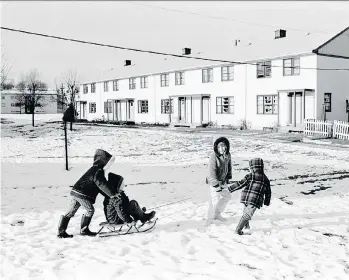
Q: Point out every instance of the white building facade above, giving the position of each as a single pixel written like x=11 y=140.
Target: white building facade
x=13 y=102
x=280 y=90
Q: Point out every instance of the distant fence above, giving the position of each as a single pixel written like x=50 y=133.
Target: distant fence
x=335 y=129
x=341 y=130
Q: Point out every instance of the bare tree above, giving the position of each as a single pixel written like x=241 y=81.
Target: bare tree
x=31 y=88
x=69 y=88
x=5 y=71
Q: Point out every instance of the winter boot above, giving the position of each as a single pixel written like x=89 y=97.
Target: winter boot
x=148 y=216
x=219 y=217
x=138 y=213
x=85 y=222
x=62 y=227
x=247 y=225
x=241 y=225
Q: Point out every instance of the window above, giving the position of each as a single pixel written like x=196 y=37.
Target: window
x=327 y=101
x=227 y=73
x=13 y=105
x=179 y=78
x=92 y=107
x=85 y=89
x=142 y=106
x=108 y=107
x=106 y=86
x=93 y=88
x=267 y=104
x=115 y=85
x=3 y=105
x=264 y=69
x=144 y=82
x=164 y=80
x=291 y=67
x=165 y=106
x=225 y=105
x=207 y=75
x=132 y=83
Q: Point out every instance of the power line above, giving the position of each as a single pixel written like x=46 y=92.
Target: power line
x=157 y=53
x=223 y=18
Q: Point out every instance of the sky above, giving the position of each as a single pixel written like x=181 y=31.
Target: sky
x=200 y=25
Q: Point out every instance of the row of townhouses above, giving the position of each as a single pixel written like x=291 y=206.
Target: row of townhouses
x=277 y=83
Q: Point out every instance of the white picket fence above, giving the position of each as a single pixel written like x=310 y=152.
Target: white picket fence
x=335 y=129
x=317 y=127
x=341 y=130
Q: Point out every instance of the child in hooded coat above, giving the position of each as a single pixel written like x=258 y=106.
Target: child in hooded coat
x=120 y=209
x=219 y=175
x=256 y=192
x=85 y=191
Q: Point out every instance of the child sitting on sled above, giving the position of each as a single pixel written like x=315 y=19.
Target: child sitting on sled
x=119 y=209
x=256 y=192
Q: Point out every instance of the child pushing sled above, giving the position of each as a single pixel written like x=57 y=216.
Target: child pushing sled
x=85 y=191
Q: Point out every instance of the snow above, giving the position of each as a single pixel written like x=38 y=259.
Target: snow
x=303 y=234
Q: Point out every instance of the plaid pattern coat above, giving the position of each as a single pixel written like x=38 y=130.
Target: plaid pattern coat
x=256 y=185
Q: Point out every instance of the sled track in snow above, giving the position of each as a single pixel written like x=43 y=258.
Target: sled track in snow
x=313 y=178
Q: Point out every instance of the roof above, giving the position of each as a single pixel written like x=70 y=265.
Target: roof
x=269 y=49
x=15 y=91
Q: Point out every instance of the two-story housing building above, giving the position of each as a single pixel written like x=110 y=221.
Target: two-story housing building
x=14 y=101
x=278 y=82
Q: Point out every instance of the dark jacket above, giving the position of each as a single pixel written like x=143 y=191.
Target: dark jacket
x=116 y=209
x=256 y=185
x=219 y=166
x=93 y=181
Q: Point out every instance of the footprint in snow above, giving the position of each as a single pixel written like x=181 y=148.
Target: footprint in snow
x=124 y=251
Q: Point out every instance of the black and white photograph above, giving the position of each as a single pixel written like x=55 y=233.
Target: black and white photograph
x=174 y=140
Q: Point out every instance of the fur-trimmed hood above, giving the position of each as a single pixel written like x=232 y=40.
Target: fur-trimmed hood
x=217 y=141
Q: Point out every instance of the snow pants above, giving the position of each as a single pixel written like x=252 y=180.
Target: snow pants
x=218 y=202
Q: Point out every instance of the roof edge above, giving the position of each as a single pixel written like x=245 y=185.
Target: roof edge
x=330 y=40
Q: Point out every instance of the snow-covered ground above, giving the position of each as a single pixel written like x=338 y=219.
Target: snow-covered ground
x=303 y=234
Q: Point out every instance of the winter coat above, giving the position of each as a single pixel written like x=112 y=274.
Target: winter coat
x=116 y=209
x=256 y=185
x=219 y=166
x=93 y=181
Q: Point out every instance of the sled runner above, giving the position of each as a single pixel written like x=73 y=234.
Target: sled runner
x=124 y=229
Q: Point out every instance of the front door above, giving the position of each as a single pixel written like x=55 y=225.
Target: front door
x=84 y=108
x=182 y=109
x=205 y=110
x=114 y=110
x=130 y=110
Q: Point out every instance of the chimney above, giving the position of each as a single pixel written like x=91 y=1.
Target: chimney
x=127 y=63
x=280 y=33
x=237 y=42
x=186 y=51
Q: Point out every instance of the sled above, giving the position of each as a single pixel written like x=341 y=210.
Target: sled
x=125 y=229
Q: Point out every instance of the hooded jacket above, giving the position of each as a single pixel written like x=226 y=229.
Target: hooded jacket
x=256 y=185
x=219 y=166
x=116 y=209
x=93 y=181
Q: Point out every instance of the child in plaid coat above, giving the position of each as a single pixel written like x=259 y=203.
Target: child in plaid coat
x=256 y=192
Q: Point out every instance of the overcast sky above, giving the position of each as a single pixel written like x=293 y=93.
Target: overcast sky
x=138 y=25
